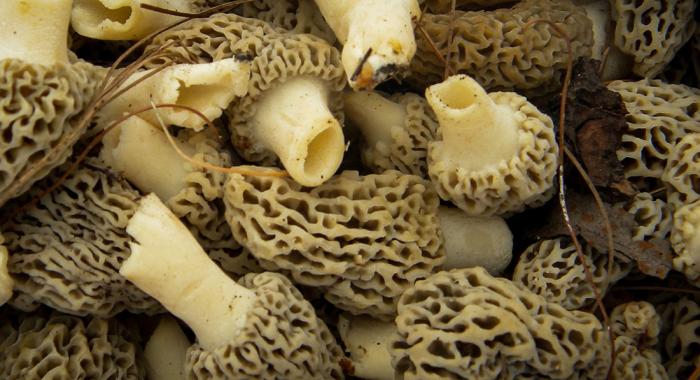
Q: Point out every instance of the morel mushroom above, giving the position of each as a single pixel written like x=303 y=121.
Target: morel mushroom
x=55 y=346
x=396 y=130
x=495 y=48
x=682 y=174
x=685 y=239
x=261 y=328
x=681 y=320
x=166 y=350
x=291 y=109
x=6 y=282
x=653 y=216
x=497 y=154
x=297 y=16
x=42 y=94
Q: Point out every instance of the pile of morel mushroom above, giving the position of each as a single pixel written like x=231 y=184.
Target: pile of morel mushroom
x=361 y=189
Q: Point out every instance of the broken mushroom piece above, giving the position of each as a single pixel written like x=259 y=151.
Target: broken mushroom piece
x=207 y=88
x=292 y=109
x=166 y=350
x=261 y=328
x=551 y=268
x=396 y=130
x=652 y=31
x=685 y=239
x=362 y=239
x=124 y=19
x=498 y=153
x=67 y=249
x=682 y=174
x=56 y=346
x=469 y=325
x=496 y=49
x=681 y=321
x=377 y=37
x=6 y=282
x=368 y=344
x=653 y=216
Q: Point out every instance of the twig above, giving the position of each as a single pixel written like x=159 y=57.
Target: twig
x=450 y=40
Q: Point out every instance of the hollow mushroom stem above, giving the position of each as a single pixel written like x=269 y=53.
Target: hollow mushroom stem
x=368 y=342
x=167 y=263
x=476 y=132
x=294 y=121
x=35 y=31
x=374 y=115
x=124 y=19
x=377 y=36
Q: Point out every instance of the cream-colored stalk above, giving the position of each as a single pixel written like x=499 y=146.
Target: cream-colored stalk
x=476 y=132
x=168 y=264
x=166 y=350
x=384 y=28
x=294 y=121
x=368 y=343
x=6 y=283
x=374 y=115
x=206 y=87
x=142 y=154
x=472 y=241
x=124 y=19
x=35 y=31
x=617 y=64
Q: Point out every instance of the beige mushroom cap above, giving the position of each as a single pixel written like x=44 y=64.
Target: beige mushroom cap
x=6 y=282
x=685 y=239
x=638 y=321
x=653 y=216
x=682 y=174
x=297 y=16
x=681 y=321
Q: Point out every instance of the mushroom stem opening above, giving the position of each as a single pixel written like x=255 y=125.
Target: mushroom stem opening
x=368 y=341
x=206 y=87
x=123 y=19
x=377 y=37
x=167 y=263
x=374 y=115
x=294 y=121
x=35 y=31
x=476 y=132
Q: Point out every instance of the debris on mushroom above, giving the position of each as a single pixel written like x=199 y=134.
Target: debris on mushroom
x=377 y=37
x=469 y=325
x=652 y=31
x=42 y=93
x=124 y=19
x=6 y=282
x=291 y=110
x=685 y=239
x=55 y=346
x=682 y=173
x=68 y=248
x=659 y=115
x=363 y=239
x=297 y=16
x=551 y=268
x=396 y=130
x=261 y=327
x=681 y=337
x=368 y=344
x=498 y=153
x=470 y=241
x=653 y=216
x=166 y=350
x=496 y=48
x=207 y=88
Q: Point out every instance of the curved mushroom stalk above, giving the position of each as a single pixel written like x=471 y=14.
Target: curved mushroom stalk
x=124 y=19
x=35 y=31
x=294 y=121
x=377 y=37
x=206 y=87
x=6 y=282
x=167 y=263
x=368 y=342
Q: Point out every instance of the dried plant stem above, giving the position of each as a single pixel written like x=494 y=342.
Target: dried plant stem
x=696 y=374
x=660 y=289
x=450 y=41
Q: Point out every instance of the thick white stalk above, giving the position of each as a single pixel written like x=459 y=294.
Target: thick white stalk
x=6 y=282
x=142 y=154
x=617 y=65
x=294 y=121
x=472 y=241
x=168 y=263
x=35 y=31
x=124 y=19
x=476 y=132
x=384 y=28
x=374 y=115
x=166 y=351
x=207 y=87
x=368 y=341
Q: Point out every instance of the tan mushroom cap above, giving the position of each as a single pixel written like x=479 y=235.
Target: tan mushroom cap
x=682 y=174
x=494 y=48
x=364 y=239
x=637 y=320
x=633 y=363
x=297 y=16
x=652 y=31
x=56 y=346
x=40 y=107
x=282 y=339
x=465 y=324
x=685 y=239
x=636 y=326
x=68 y=248
x=551 y=269
x=6 y=282
x=653 y=216
x=658 y=115
x=681 y=320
